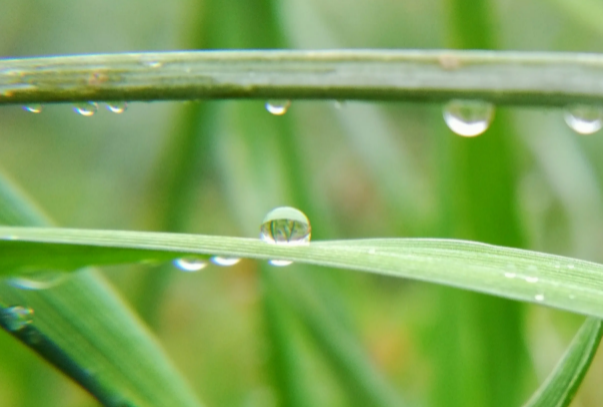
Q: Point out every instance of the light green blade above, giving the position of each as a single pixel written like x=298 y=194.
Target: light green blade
x=560 y=387
x=556 y=281
x=84 y=329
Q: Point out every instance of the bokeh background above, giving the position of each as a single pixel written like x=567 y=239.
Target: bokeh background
x=356 y=169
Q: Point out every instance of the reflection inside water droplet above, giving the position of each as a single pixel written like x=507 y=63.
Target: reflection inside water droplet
x=468 y=118
x=190 y=264
x=16 y=318
x=278 y=107
x=86 y=109
x=36 y=108
x=285 y=226
x=117 y=107
x=225 y=261
x=539 y=297
x=584 y=119
x=38 y=279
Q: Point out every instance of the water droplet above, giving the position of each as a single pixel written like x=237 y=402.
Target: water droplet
x=570 y=266
x=584 y=119
x=33 y=108
x=152 y=64
x=16 y=318
x=510 y=275
x=117 y=107
x=468 y=118
x=372 y=251
x=190 y=264
x=278 y=107
x=86 y=109
x=286 y=226
x=225 y=261
x=539 y=297
x=532 y=280
x=38 y=279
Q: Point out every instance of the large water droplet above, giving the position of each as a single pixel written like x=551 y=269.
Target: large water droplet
x=38 y=280
x=117 y=107
x=468 y=118
x=36 y=108
x=86 y=109
x=278 y=107
x=16 y=318
x=584 y=119
x=286 y=226
x=190 y=264
x=225 y=261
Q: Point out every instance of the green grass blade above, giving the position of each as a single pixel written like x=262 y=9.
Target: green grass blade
x=499 y=77
x=560 y=282
x=562 y=384
x=86 y=331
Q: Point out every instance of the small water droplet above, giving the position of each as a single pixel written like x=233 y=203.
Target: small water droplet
x=153 y=64
x=584 y=119
x=539 y=297
x=86 y=109
x=532 y=280
x=285 y=226
x=225 y=261
x=190 y=264
x=38 y=279
x=570 y=266
x=117 y=107
x=36 y=108
x=468 y=118
x=510 y=275
x=16 y=318
x=278 y=107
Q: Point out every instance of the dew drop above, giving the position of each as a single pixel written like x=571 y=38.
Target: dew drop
x=117 y=107
x=584 y=119
x=278 y=107
x=33 y=108
x=532 y=280
x=38 y=280
x=16 y=318
x=539 y=297
x=190 y=264
x=510 y=275
x=225 y=261
x=468 y=118
x=285 y=226
x=570 y=266
x=86 y=109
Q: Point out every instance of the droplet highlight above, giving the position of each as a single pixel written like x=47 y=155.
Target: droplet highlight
x=16 y=318
x=278 y=107
x=584 y=119
x=285 y=226
x=539 y=297
x=225 y=261
x=116 y=107
x=33 y=108
x=468 y=118
x=38 y=280
x=86 y=109
x=190 y=264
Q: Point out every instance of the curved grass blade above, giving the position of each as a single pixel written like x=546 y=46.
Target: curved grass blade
x=83 y=329
x=416 y=75
x=556 y=281
x=560 y=387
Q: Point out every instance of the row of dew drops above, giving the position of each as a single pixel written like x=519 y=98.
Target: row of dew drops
x=468 y=118
x=282 y=226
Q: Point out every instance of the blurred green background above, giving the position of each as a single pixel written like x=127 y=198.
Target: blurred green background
x=356 y=169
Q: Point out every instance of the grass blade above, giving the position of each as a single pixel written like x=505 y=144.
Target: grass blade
x=556 y=281
x=499 y=77
x=560 y=387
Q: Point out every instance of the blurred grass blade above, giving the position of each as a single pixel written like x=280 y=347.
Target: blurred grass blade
x=556 y=281
x=415 y=75
x=86 y=331
x=560 y=387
